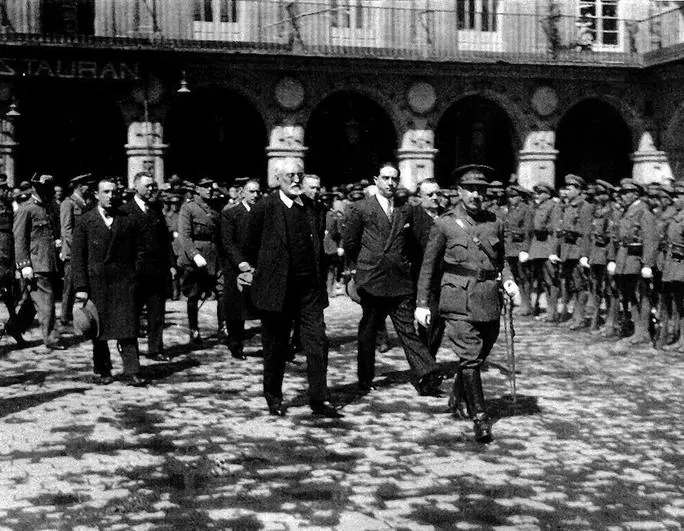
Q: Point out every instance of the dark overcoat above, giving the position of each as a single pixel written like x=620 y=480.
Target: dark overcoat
x=234 y=233
x=269 y=253
x=106 y=263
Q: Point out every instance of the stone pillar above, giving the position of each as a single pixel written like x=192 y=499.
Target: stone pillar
x=145 y=150
x=650 y=164
x=287 y=141
x=8 y=149
x=416 y=157
x=536 y=160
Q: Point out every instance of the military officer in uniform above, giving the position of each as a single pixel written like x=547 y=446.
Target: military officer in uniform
x=543 y=248
x=518 y=234
x=637 y=244
x=663 y=210
x=37 y=245
x=496 y=199
x=673 y=272
x=172 y=213
x=7 y=283
x=468 y=243
x=198 y=237
x=70 y=211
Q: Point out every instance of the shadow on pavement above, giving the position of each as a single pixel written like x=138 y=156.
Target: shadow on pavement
x=505 y=407
x=20 y=403
x=164 y=370
x=4 y=349
x=33 y=377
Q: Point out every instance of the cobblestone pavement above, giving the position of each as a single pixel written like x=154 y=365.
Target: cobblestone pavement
x=595 y=441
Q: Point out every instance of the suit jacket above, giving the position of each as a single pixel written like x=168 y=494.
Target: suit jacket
x=268 y=252
x=155 y=236
x=106 y=263
x=36 y=228
x=380 y=248
x=71 y=209
x=234 y=234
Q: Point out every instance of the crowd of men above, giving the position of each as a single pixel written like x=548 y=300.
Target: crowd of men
x=608 y=259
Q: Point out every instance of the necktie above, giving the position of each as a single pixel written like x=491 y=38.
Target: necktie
x=390 y=209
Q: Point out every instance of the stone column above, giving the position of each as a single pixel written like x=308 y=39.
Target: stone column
x=287 y=141
x=536 y=160
x=416 y=157
x=8 y=148
x=145 y=150
x=650 y=164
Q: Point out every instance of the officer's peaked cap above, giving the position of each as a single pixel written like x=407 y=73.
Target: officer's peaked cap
x=543 y=188
x=574 y=180
x=473 y=174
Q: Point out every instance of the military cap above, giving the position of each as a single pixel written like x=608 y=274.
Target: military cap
x=603 y=186
x=543 y=188
x=574 y=180
x=173 y=198
x=81 y=179
x=678 y=188
x=628 y=185
x=328 y=196
x=356 y=195
x=364 y=183
x=472 y=174
x=206 y=182
x=516 y=189
x=495 y=188
x=42 y=179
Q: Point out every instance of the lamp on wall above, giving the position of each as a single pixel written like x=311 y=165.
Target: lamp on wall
x=13 y=112
x=184 y=88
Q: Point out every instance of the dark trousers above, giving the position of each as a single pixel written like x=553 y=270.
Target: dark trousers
x=68 y=294
x=151 y=293
x=472 y=342
x=303 y=299
x=42 y=293
x=400 y=309
x=102 y=361
x=198 y=284
x=633 y=291
x=236 y=334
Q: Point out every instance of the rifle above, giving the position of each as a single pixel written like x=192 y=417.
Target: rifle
x=509 y=333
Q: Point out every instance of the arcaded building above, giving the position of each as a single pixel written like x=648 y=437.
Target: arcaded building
x=534 y=88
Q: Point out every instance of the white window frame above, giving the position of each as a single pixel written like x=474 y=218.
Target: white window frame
x=480 y=25
x=587 y=35
x=223 y=22
x=352 y=22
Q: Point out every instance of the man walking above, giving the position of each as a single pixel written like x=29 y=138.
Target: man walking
x=378 y=239
x=468 y=244
x=107 y=255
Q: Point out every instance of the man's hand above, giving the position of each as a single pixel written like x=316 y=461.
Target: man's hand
x=245 y=279
x=646 y=272
x=523 y=256
x=173 y=271
x=340 y=251
x=511 y=288
x=58 y=244
x=422 y=315
x=244 y=267
x=554 y=259
x=27 y=273
x=584 y=262
x=610 y=268
x=81 y=297
x=199 y=260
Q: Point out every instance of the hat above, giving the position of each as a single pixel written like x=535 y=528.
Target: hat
x=352 y=291
x=81 y=179
x=205 y=182
x=516 y=189
x=472 y=174
x=678 y=188
x=603 y=186
x=356 y=195
x=574 y=180
x=628 y=185
x=328 y=196
x=42 y=178
x=543 y=188
x=173 y=198
x=86 y=320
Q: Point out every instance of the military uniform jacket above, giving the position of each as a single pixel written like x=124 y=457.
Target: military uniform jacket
x=673 y=263
x=471 y=252
x=199 y=233
x=601 y=240
x=71 y=209
x=574 y=230
x=636 y=240
x=518 y=225
x=36 y=229
x=6 y=242
x=333 y=231
x=172 y=226
x=544 y=226
x=663 y=219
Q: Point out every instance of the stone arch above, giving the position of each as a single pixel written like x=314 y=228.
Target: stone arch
x=84 y=133
x=348 y=135
x=476 y=129
x=216 y=131
x=594 y=141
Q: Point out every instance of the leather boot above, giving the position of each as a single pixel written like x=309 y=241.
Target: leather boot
x=679 y=345
x=641 y=316
x=482 y=424
x=552 y=305
x=458 y=404
x=609 y=329
x=578 y=321
x=525 y=301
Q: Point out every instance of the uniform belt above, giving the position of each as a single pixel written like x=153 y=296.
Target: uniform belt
x=478 y=274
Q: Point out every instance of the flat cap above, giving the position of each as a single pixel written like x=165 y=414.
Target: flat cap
x=574 y=180
x=543 y=188
x=473 y=174
x=628 y=185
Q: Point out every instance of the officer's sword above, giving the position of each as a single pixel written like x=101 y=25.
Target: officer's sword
x=509 y=333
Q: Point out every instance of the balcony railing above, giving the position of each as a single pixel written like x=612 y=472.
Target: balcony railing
x=352 y=28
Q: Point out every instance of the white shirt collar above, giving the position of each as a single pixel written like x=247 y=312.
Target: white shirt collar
x=108 y=220
x=289 y=202
x=143 y=206
x=246 y=205
x=384 y=202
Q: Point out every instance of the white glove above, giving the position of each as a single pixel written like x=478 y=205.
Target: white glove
x=199 y=260
x=175 y=234
x=611 y=268
x=554 y=259
x=646 y=272
x=340 y=251
x=244 y=267
x=58 y=244
x=422 y=315
x=584 y=262
x=27 y=272
x=511 y=288
x=523 y=256
x=81 y=297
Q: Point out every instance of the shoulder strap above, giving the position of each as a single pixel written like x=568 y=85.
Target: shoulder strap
x=484 y=246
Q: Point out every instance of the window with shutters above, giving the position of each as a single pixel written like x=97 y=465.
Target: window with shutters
x=598 y=26
x=354 y=22
x=216 y=19
x=479 y=25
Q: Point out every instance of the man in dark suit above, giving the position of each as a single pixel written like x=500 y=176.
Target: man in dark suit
x=107 y=255
x=151 y=290
x=285 y=246
x=234 y=227
x=378 y=239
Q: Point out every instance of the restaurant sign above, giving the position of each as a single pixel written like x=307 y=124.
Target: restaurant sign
x=69 y=69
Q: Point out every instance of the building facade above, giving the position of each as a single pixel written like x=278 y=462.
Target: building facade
x=534 y=88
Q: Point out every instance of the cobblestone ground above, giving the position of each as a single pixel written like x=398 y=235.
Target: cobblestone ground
x=594 y=441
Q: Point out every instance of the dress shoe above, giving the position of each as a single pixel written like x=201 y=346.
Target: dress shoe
x=103 y=379
x=133 y=380
x=54 y=346
x=158 y=356
x=483 y=428
x=366 y=388
x=429 y=385
x=276 y=410
x=195 y=338
x=325 y=409
x=238 y=354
